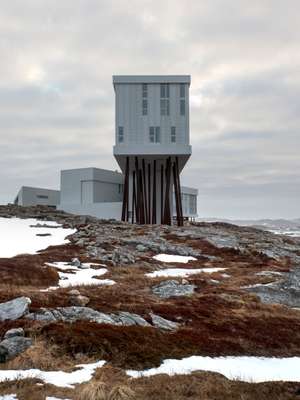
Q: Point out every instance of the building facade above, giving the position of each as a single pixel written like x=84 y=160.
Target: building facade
x=33 y=196
x=152 y=144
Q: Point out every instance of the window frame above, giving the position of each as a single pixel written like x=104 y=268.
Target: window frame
x=121 y=134
x=173 y=134
x=182 y=107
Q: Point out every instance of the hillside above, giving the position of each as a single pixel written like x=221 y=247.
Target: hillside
x=121 y=299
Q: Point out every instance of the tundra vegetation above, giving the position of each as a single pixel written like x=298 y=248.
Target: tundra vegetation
x=241 y=297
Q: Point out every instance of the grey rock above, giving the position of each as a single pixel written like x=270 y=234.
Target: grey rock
x=14 y=309
x=79 y=300
x=71 y=314
x=14 y=332
x=162 y=323
x=141 y=248
x=74 y=292
x=75 y=263
x=172 y=288
x=128 y=319
x=11 y=347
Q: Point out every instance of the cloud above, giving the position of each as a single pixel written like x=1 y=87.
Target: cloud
x=57 y=100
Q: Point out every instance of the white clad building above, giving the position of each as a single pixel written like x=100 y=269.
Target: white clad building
x=152 y=144
x=151 y=147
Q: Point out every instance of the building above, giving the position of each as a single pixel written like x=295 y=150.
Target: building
x=152 y=144
x=92 y=191
x=151 y=147
x=99 y=192
x=32 y=196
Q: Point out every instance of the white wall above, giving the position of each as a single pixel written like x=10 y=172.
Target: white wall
x=31 y=196
x=99 y=210
x=136 y=125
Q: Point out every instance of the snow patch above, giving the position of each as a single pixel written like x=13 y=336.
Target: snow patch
x=8 y=397
x=58 y=378
x=78 y=276
x=17 y=237
x=182 y=272
x=246 y=369
x=173 y=258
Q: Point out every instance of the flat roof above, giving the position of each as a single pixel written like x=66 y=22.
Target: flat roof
x=118 y=79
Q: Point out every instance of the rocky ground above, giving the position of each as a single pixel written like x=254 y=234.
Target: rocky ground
x=249 y=304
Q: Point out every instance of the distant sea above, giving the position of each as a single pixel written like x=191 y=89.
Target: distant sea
x=287 y=232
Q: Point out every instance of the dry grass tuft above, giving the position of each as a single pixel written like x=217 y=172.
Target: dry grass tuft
x=93 y=391
x=121 y=392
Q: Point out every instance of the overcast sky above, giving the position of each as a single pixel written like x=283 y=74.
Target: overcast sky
x=57 y=58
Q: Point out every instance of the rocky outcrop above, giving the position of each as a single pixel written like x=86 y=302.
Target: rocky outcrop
x=163 y=323
x=127 y=319
x=172 y=288
x=14 y=309
x=13 y=344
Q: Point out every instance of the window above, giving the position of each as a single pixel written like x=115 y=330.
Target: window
x=164 y=99
x=182 y=106
x=145 y=99
x=145 y=106
x=182 y=90
x=154 y=134
x=173 y=134
x=157 y=134
x=164 y=90
x=145 y=90
x=182 y=99
x=121 y=134
x=164 y=107
x=151 y=134
x=42 y=196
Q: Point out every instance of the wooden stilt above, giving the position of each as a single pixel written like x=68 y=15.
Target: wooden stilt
x=125 y=192
x=142 y=205
x=161 y=193
x=149 y=193
x=145 y=192
x=154 y=194
x=133 y=198
x=167 y=211
x=176 y=193
x=179 y=192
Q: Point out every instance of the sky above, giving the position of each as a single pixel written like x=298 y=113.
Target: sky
x=57 y=100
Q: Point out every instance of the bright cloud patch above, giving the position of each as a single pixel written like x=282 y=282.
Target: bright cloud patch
x=173 y=258
x=77 y=276
x=58 y=378
x=17 y=237
x=247 y=369
x=182 y=272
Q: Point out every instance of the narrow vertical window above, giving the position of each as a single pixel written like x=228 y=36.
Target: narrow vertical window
x=164 y=99
x=145 y=106
x=121 y=134
x=182 y=106
x=173 y=134
x=157 y=134
x=182 y=90
x=145 y=99
x=151 y=134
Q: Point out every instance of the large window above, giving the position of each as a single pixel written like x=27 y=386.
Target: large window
x=145 y=99
x=173 y=134
x=120 y=134
x=164 y=99
x=154 y=134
